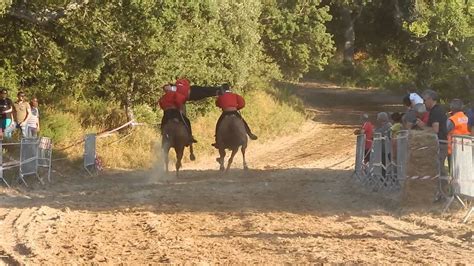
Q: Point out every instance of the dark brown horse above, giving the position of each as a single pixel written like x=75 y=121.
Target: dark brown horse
x=231 y=135
x=175 y=135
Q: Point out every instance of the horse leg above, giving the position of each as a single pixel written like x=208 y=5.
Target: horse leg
x=231 y=159
x=191 y=151
x=166 y=150
x=243 y=158
x=220 y=160
x=179 y=156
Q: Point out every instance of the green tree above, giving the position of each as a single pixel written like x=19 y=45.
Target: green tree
x=294 y=35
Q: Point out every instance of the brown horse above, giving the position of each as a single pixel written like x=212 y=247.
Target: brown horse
x=175 y=135
x=231 y=135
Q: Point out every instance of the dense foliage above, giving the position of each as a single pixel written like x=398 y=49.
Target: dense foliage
x=425 y=42
x=124 y=50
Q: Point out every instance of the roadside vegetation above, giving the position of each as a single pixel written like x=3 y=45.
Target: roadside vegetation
x=94 y=65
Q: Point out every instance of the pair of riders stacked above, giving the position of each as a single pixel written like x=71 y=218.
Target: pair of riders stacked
x=176 y=95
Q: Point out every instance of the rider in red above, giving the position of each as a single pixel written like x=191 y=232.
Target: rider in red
x=172 y=102
x=231 y=103
x=183 y=88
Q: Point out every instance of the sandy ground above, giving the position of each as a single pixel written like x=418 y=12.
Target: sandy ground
x=298 y=203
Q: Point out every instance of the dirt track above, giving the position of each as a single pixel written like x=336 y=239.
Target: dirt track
x=297 y=204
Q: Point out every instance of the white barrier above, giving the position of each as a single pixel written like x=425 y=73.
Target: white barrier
x=462 y=170
x=89 y=152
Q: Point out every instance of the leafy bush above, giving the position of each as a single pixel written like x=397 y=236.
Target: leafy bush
x=60 y=126
x=145 y=114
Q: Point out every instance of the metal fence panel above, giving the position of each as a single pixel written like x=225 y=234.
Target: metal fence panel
x=402 y=154
x=375 y=175
x=1 y=166
x=28 y=156
x=28 y=159
x=463 y=165
x=89 y=150
x=376 y=155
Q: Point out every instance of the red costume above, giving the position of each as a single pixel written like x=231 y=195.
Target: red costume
x=183 y=87
x=171 y=100
x=230 y=100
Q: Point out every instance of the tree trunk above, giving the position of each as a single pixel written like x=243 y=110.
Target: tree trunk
x=349 y=36
x=129 y=108
x=128 y=100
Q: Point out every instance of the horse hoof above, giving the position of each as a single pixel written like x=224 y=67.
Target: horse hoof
x=246 y=168
x=222 y=168
x=192 y=157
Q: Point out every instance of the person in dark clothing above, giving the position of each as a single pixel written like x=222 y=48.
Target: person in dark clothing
x=6 y=112
x=231 y=103
x=438 y=122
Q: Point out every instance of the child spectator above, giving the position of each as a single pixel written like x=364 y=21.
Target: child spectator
x=33 y=119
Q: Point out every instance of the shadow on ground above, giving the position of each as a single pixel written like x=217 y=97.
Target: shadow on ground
x=312 y=191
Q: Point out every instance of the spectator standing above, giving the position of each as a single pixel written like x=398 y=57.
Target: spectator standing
x=410 y=101
x=396 y=128
x=438 y=122
x=6 y=109
x=457 y=124
x=22 y=111
x=368 y=129
x=33 y=119
x=383 y=124
x=397 y=123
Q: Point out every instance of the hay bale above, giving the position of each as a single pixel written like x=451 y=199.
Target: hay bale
x=422 y=161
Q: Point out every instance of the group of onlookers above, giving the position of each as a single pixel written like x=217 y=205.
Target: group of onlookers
x=423 y=112
x=21 y=115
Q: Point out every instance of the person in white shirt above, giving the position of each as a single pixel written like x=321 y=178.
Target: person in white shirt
x=33 y=119
x=415 y=99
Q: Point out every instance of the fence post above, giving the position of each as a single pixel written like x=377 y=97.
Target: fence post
x=1 y=166
x=402 y=155
x=359 y=157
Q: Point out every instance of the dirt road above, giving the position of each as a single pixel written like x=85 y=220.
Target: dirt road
x=297 y=204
